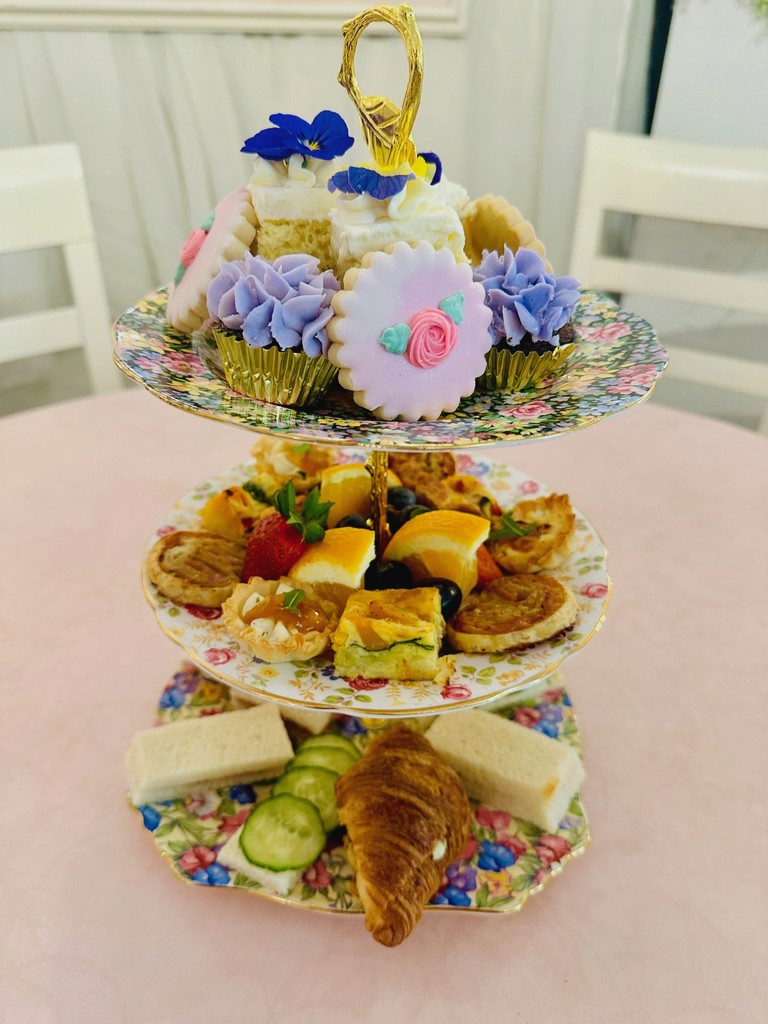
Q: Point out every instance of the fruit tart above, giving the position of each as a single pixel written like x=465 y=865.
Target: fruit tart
x=277 y=621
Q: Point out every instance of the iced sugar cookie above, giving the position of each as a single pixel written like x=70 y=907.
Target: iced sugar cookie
x=410 y=332
x=226 y=235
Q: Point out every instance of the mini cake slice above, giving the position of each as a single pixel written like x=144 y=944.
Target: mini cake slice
x=390 y=634
x=212 y=752
x=508 y=767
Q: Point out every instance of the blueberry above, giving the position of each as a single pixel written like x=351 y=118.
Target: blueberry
x=400 y=497
x=355 y=520
x=408 y=513
x=450 y=594
x=388 y=576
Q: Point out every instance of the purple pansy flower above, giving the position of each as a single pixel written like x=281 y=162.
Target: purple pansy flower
x=287 y=301
x=325 y=138
x=434 y=159
x=364 y=181
x=524 y=297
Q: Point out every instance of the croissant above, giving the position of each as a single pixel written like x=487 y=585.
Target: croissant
x=407 y=818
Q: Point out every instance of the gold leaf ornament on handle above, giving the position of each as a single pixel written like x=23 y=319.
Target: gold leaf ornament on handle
x=386 y=127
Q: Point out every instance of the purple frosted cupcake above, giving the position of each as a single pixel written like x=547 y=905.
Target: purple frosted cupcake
x=531 y=322
x=269 y=322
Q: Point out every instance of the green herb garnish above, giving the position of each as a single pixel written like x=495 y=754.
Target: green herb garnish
x=292 y=599
x=511 y=527
x=257 y=492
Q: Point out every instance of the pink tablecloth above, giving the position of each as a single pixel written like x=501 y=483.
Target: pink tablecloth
x=664 y=918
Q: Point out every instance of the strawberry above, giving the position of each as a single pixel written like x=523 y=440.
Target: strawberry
x=280 y=538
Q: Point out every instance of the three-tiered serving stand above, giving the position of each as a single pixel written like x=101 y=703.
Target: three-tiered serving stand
x=615 y=366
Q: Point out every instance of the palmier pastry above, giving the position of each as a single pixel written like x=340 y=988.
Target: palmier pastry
x=461 y=492
x=193 y=567
x=279 y=621
x=407 y=817
x=547 y=546
x=512 y=612
x=418 y=470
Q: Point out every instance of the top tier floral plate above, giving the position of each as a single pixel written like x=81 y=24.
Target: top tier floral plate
x=616 y=365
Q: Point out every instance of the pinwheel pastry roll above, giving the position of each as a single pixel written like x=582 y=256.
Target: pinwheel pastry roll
x=407 y=817
x=195 y=567
x=279 y=621
x=512 y=612
x=548 y=541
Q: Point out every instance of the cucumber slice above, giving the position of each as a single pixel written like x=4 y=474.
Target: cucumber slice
x=331 y=739
x=284 y=833
x=318 y=785
x=335 y=758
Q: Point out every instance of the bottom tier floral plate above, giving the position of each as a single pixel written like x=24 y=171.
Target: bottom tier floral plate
x=505 y=860
x=469 y=679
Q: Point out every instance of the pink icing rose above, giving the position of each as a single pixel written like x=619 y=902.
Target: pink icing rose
x=433 y=336
x=528 y=487
x=358 y=683
x=455 y=691
x=196 y=858
x=496 y=820
x=594 y=590
x=218 y=656
x=317 y=876
x=191 y=247
x=608 y=332
x=531 y=410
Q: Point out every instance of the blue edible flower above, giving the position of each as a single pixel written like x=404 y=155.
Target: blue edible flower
x=434 y=159
x=363 y=180
x=325 y=138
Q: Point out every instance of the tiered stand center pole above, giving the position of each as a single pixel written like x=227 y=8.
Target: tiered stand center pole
x=377 y=466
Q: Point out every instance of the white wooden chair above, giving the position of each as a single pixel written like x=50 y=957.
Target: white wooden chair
x=44 y=204
x=678 y=181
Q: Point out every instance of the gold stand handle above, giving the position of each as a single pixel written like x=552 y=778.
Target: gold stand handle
x=386 y=127
x=377 y=465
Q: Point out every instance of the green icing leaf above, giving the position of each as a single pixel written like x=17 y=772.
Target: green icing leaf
x=453 y=306
x=208 y=222
x=180 y=272
x=395 y=339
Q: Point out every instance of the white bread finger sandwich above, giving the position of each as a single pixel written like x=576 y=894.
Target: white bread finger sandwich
x=212 y=752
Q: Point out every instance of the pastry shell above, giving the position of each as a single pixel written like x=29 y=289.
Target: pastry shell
x=545 y=549
x=298 y=646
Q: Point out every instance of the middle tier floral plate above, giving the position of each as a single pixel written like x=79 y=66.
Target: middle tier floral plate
x=468 y=679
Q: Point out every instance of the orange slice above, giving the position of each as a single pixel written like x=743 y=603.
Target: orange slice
x=442 y=543
x=349 y=488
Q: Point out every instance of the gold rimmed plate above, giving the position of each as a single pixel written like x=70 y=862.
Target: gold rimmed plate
x=505 y=860
x=466 y=679
x=616 y=364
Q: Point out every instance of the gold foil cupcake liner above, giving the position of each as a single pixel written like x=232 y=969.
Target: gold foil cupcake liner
x=515 y=371
x=289 y=377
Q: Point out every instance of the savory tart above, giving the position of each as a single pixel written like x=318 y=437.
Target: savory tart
x=195 y=567
x=545 y=544
x=419 y=470
x=461 y=492
x=291 y=460
x=512 y=612
x=232 y=513
x=390 y=634
x=407 y=818
x=277 y=621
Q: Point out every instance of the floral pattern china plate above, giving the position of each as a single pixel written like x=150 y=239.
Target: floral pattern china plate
x=616 y=365
x=505 y=860
x=469 y=679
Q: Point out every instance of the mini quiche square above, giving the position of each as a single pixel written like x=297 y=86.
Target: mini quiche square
x=390 y=634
